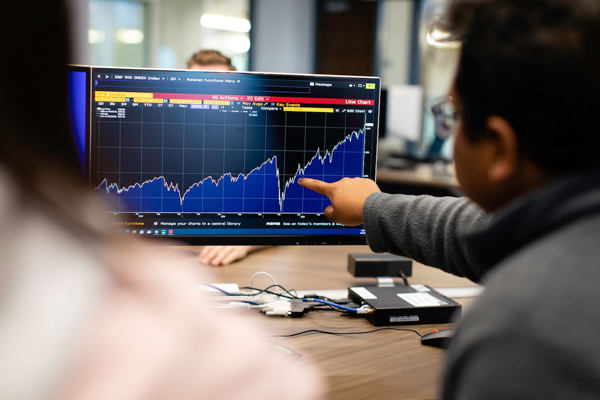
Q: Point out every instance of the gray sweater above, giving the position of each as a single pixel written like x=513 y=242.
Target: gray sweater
x=533 y=334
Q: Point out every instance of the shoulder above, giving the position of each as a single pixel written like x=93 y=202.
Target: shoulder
x=51 y=284
x=536 y=320
x=539 y=273
x=551 y=279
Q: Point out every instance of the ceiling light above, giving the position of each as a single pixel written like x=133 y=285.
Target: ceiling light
x=130 y=36
x=240 y=44
x=95 y=36
x=225 y=23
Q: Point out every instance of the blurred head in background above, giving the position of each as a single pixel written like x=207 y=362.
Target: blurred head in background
x=210 y=60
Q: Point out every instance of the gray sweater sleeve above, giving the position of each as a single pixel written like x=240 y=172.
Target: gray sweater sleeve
x=425 y=228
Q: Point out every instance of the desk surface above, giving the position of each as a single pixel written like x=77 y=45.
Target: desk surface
x=382 y=365
x=421 y=175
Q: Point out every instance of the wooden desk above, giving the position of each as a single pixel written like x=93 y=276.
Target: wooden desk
x=381 y=365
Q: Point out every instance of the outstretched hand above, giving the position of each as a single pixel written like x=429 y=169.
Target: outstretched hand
x=347 y=197
x=225 y=255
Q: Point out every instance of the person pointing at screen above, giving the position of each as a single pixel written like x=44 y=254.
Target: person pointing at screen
x=525 y=100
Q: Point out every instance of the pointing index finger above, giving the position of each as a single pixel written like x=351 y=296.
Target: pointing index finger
x=315 y=185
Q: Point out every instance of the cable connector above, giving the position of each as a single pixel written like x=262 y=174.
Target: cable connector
x=364 y=309
x=337 y=301
x=265 y=298
x=281 y=307
x=298 y=308
x=329 y=303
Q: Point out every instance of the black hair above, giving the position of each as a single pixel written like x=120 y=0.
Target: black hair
x=535 y=63
x=36 y=134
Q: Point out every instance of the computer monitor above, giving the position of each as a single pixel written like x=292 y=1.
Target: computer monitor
x=214 y=157
x=404 y=112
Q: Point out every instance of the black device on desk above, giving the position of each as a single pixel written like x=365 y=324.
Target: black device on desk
x=214 y=157
x=405 y=305
x=362 y=265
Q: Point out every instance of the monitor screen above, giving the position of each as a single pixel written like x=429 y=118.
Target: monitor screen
x=214 y=157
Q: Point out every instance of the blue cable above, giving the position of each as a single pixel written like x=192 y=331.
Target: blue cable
x=227 y=293
x=329 y=303
x=216 y=288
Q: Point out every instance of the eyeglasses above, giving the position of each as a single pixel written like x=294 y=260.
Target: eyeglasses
x=445 y=116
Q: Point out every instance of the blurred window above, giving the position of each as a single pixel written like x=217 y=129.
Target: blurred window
x=165 y=33
x=118 y=33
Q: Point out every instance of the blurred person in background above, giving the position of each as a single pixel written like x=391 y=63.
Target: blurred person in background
x=85 y=314
x=212 y=60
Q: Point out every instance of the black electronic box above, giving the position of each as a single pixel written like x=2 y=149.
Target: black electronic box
x=406 y=305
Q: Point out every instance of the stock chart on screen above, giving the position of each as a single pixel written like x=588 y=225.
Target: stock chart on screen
x=206 y=153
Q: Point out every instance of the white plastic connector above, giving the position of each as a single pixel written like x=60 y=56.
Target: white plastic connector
x=264 y=298
x=363 y=309
x=281 y=307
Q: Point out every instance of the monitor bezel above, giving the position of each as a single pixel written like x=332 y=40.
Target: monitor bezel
x=88 y=116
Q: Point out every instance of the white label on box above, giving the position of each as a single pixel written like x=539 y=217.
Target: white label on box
x=421 y=299
x=364 y=293
x=404 y=318
x=420 y=288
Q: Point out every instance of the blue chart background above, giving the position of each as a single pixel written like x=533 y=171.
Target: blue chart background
x=257 y=192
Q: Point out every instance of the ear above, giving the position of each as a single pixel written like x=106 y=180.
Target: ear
x=503 y=141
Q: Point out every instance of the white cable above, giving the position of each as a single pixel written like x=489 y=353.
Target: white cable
x=234 y=306
x=228 y=298
x=262 y=273
x=239 y=306
x=262 y=298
